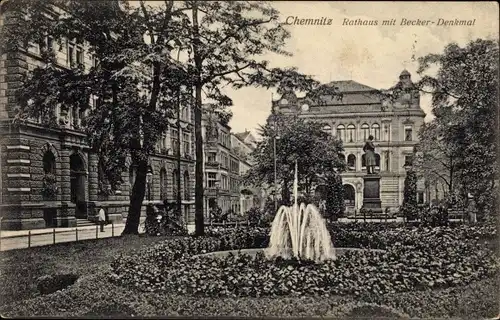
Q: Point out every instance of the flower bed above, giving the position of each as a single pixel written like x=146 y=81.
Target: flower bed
x=416 y=259
x=94 y=295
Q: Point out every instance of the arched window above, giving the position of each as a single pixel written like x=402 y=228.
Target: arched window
x=342 y=157
x=163 y=184
x=349 y=195
x=175 y=190
x=365 y=131
x=327 y=128
x=186 y=185
x=377 y=162
x=376 y=131
x=351 y=133
x=341 y=132
x=363 y=162
x=351 y=162
x=49 y=163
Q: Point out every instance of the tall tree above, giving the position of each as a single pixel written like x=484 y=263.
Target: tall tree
x=466 y=87
x=317 y=154
x=134 y=81
x=335 y=204
x=409 y=207
x=229 y=40
x=435 y=159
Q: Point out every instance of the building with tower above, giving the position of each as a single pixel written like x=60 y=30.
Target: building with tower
x=361 y=111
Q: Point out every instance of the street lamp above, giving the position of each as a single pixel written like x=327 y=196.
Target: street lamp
x=149 y=176
x=275 y=138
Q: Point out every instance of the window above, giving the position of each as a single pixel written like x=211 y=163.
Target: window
x=408 y=133
x=224 y=182
x=387 y=160
x=408 y=160
x=49 y=163
x=94 y=61
x=212 y=179
x=327 y=128
x=185 y=114
x=225 y=160
x=186 y=185
x=365 y=131
x=386 y=132
x=420 y=197
x=71 y=55
x=376 y=131
x=351 y=133
x=163 y=184
x=49 y=41
x=341 y=132
x=212 y=157
x=349 y=195
x=163 y=142
x=175 y=190
x=234 y=166
x=351 y=162
x=186 y=143
x=342 y=157
x=377 y=161
x=174 y=141
x=79 y=56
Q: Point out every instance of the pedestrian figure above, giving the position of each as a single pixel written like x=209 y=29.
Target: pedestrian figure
x=102 y=218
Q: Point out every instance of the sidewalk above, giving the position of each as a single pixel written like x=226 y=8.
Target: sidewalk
x=21 y=239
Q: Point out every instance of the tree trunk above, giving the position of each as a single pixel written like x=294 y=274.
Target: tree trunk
x=198 y=196
x=178 y=182
x=138 y=192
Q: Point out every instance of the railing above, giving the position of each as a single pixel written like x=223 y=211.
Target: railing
x=229 y=224
x=35 y=238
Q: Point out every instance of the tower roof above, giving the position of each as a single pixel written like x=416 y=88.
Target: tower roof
x=404 y=73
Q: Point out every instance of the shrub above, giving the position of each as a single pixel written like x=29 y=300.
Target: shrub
x=416 y=259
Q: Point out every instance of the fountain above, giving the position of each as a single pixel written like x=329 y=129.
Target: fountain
x=300 y=232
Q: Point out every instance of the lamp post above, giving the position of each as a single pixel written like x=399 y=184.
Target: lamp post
x=408 y=167
x=217 y=187
x=149 y=176
x=275 y=138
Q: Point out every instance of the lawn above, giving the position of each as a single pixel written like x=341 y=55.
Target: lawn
x=96 y=294
x=21 y=268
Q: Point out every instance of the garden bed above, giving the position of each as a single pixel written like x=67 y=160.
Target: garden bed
x=150 y=282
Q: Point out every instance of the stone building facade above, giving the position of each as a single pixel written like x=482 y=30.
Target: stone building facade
x=226 y=160
x=359 y=112
x=49 y=175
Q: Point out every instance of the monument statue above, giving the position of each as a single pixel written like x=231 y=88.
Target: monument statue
x=369 y=150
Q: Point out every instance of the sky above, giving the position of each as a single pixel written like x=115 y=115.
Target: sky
x=371 y=55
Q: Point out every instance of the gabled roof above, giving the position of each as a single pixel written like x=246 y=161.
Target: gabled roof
x=350 y=86
x=242 y=135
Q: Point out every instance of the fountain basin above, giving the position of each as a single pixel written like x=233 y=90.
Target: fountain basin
x=253 y=252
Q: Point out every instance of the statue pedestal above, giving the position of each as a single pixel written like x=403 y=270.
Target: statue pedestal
x=371 y=193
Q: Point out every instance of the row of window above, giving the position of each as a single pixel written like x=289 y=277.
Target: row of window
x=348 y=133
x=231 y=164
x=170 y=141
x=350 y=195
x=164 y=181
x=75 y=52
x=225 y=183
x=225 y=139
x=351 y=161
